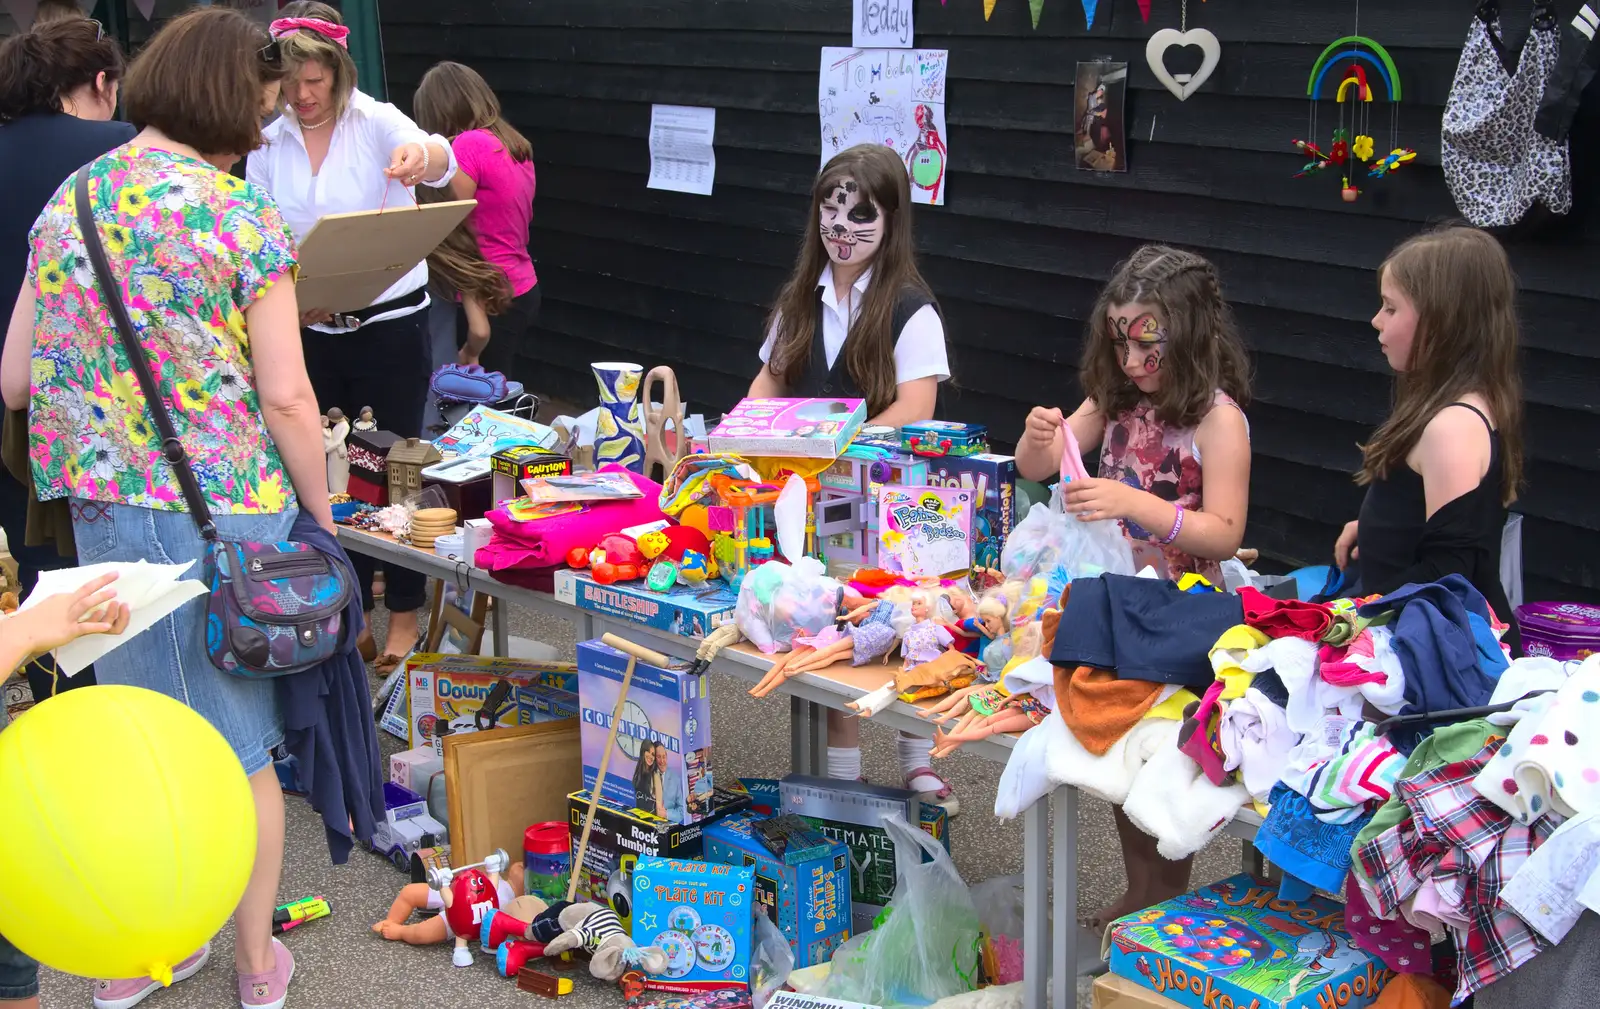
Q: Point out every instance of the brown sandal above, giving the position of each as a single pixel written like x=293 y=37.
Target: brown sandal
x=388 y=663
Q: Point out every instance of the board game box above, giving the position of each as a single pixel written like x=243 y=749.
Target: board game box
x=451 y=688
x=701 y=914
x=992 y=479
x=806 y=893
x=1237 y=945
x=690 y=610
x=790 y=428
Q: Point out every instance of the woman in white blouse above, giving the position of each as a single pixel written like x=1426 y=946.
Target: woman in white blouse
x=337 y=150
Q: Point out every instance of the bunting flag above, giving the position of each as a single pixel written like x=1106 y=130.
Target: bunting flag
x=1035 y=7
x=22 y=12
x=1144 y=10
x=1088 y=10
x=988 y=8
x=146 y=7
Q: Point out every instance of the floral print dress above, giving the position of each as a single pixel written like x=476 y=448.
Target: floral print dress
x=192 y=248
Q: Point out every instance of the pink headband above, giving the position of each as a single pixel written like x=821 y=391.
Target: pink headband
x=336 y=33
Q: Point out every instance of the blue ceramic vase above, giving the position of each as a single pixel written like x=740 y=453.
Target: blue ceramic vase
x=619 y=433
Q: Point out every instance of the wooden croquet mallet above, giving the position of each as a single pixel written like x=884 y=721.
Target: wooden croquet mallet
x=634 y=653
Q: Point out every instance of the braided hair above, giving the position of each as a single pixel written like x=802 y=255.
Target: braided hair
x=1203 y=352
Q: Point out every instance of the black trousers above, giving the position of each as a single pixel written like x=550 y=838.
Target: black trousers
x=384 y=365
x=510 y=349
x=30 y=562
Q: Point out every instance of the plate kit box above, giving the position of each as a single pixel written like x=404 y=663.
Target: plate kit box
x=452 y=689
x=620 y=837
x=789 y=428
x=661 y=759
x=852 y=813
x=689 y=610
x=804 y=891
x=1238 y=945
x=701 y=915
x=992 y=479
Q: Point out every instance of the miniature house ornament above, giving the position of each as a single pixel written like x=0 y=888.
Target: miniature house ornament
x=1155 y=53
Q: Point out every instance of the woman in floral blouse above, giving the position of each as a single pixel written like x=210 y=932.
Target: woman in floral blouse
x=206 y=267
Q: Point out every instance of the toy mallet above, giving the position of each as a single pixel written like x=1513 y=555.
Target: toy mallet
x=635 y=653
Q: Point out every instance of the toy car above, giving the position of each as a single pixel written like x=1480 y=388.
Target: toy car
x=407 y=827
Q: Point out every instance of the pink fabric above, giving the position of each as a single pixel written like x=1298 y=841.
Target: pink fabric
x=1200 y=736
x=1343 y=666
x=1403 y=949
x=505 y=205
x=546 y=542
x=327 y=29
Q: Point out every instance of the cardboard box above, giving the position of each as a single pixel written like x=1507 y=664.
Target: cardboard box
x=701 y=914
x=451 y=688
x=544 y=704
x=1112 y=992
x=791 y=428
x=852 y=813
x=993 y=481
x=766 y=800
x=805 y=894
x=620 y=836
x=1237 y=945
x=413 y=768
x=667 y=715
x=847 y=509
x=689 y=610
x=511 y=466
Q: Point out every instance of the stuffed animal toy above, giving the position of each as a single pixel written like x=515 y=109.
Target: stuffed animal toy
x=590 y=927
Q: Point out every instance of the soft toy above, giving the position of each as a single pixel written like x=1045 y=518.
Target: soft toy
x=590 y=927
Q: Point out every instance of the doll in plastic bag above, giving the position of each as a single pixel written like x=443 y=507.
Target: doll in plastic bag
x=776 y=600
x=866 y=629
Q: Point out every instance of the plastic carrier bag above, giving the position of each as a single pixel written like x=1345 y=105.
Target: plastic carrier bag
x=777 y=599
x=926 y=943
x=1051 y=544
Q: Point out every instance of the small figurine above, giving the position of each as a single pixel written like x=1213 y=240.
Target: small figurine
x=335 y=429
x=463 y=896
x=929 y=666
x=593 y=928
x=364 y=421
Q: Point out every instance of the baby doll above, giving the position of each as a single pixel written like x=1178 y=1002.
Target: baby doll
x=929 y=666
x=863 y=633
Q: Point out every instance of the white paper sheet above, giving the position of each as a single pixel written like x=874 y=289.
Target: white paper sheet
x=891 y=97
x=682 y=156
x=881 y=24
x=150 y=590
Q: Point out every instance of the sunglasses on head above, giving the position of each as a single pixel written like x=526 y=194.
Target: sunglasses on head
x=99 y=29
x=271 y=55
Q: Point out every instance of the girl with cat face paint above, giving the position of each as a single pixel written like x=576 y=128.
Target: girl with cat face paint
x=1166 y=379
x=857 y=321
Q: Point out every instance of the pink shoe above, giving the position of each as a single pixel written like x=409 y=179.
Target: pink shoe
x=269 y=989
x=943 y=795
x=131 y=991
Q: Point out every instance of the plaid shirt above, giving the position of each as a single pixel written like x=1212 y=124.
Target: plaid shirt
x=1469 y=848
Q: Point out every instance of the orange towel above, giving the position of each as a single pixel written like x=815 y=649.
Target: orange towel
x=1098 y=707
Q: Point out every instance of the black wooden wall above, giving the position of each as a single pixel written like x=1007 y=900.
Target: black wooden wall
x=1018 y=252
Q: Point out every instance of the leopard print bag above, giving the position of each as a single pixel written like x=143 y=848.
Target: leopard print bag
x=1496 y=164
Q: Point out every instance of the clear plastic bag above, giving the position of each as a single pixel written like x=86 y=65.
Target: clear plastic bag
x=926 y=944
x=1050 y=543
x=778 y=599
x=999 y=904
x=771 y=963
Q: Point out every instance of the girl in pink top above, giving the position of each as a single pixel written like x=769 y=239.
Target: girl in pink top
x=496 y=169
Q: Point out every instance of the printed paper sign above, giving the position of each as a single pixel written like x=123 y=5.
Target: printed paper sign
x=893 y=97
x=682 y=157
x=882 y=24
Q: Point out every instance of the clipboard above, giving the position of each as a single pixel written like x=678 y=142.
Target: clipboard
x=348 y=260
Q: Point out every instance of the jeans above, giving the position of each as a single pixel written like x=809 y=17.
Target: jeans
x=19 y=974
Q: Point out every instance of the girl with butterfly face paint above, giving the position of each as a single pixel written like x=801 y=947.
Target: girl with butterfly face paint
x=856 y=320
x=1165 y=377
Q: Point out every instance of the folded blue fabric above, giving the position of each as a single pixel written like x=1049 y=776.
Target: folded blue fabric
x=1293 y=839
x=1144 y=629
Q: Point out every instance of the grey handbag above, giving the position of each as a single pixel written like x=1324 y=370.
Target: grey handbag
x=1496 y=164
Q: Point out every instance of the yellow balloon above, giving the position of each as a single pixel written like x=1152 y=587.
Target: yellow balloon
x=129 y=829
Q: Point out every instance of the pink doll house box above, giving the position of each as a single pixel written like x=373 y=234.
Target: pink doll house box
x=789 y=428
x=1238 y=945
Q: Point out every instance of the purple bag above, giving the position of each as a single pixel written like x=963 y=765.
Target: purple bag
x=1562 y=631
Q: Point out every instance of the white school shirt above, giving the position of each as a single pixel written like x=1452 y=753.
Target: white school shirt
x=919 y=350
x=351 y=177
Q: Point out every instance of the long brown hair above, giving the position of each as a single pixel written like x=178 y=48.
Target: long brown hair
x=457 y=264
x=454 y=98
x=1460 y=282
x=1203 y=351
x=199 y=81
x=40 y=68
x=869 y=347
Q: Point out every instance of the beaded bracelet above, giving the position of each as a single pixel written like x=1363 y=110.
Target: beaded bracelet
x=1177 y=527
x=422 y=176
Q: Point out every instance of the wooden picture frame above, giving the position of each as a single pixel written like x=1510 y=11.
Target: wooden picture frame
x=499 y=782
x=348 y=260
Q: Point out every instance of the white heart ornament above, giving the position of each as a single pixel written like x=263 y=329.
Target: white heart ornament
x=1155 y=53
